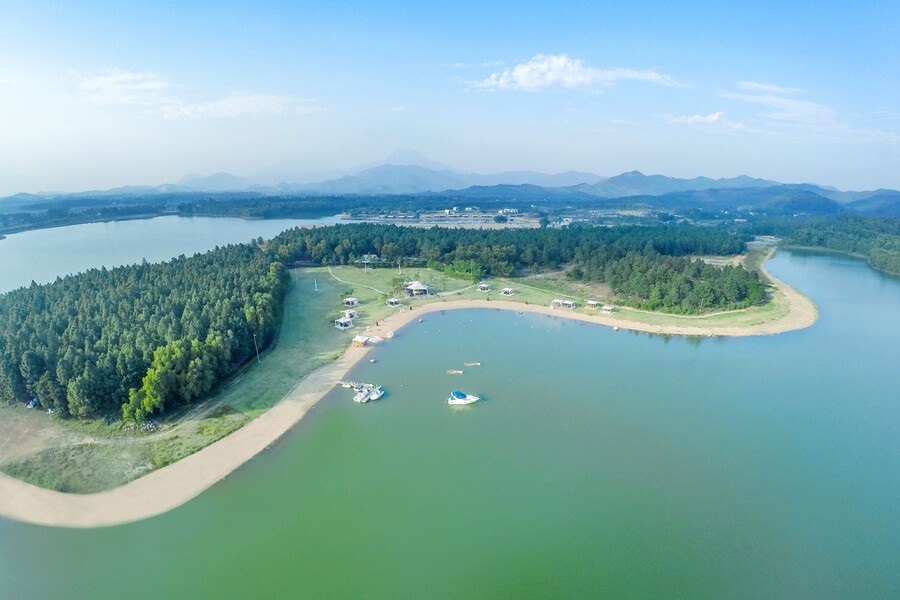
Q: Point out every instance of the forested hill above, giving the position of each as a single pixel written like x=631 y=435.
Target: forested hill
x=149 y=336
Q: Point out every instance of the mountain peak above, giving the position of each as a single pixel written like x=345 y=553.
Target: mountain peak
x=219 y=182
x=409 y=156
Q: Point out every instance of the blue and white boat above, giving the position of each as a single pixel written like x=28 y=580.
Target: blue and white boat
x=458 y=398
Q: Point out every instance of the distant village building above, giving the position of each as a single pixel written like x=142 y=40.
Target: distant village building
x=507 y=291
x=343 y=323
x=592 y=304
x=484 y=287
x=394 y=302
x=360 y=341
x=349 y=313
x=351 y=301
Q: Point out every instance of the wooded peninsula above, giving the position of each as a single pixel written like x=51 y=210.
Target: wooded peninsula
x=134 y=341
x=136 y=346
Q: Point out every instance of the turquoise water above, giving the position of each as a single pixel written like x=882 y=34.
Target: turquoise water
x=599 y=464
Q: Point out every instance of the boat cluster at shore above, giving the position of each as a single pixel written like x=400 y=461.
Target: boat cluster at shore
x=364 y=392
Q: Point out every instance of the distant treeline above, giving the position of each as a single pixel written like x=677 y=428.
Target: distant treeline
x=647 y=266
x=73 y=210
x=141 y=339
x=70 y=211
x=877 y=239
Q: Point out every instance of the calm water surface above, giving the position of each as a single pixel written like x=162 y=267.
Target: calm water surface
x=599 y=464
x=43 y=254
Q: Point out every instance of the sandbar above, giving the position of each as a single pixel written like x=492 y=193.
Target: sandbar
x=173 y=485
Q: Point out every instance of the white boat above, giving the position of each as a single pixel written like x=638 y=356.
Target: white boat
x=458 y=398
x=472 y=364
x=376 y=393
x=454 y=371
x=362 y=395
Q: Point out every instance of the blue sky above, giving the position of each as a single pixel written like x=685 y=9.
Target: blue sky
x=96 y=95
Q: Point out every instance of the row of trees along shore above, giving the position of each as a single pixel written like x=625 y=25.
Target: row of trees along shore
x=138 y=340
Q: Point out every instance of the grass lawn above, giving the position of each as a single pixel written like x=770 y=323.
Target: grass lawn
x=376 y=284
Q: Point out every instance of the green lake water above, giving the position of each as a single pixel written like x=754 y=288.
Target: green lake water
x=598 y=464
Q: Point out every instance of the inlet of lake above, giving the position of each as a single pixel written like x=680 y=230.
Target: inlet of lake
x=598 y=464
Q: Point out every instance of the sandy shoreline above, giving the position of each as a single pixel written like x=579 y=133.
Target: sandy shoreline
x=169 y=487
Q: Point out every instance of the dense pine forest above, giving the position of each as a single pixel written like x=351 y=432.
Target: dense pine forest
x=133 y=342
x=141 y=339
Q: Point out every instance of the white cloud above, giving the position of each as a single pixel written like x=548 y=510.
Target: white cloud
x=788 y=109
x=236 y=104
x=709 y=119
x=767 y=88
x=547 y=71
x=716 y=120
x=123 y=87
x=886 y=115
x=156 y=95
x=808 y=120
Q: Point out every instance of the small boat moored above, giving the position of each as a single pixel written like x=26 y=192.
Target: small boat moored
x=458 y=398
x=454 y=371
x=364 y=391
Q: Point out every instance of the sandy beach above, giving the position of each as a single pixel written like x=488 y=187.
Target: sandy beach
x=175 y=484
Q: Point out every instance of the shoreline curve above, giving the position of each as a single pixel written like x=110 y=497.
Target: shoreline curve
x=173 y=485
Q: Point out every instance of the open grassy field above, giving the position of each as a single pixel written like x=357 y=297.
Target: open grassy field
x=541 y=289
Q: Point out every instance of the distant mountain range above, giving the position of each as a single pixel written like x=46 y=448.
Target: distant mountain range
x=409 y=173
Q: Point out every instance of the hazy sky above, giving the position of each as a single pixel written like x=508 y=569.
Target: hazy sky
x=97 y=94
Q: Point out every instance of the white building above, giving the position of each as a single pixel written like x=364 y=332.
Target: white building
x=343 y=323
x=417 y=288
